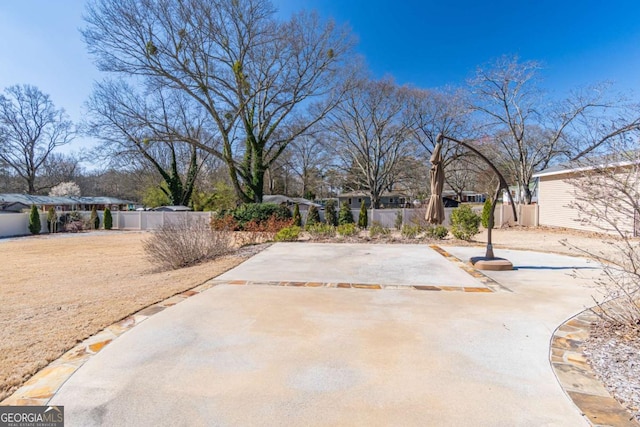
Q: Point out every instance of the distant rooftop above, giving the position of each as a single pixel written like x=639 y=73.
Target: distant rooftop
x=29 y=199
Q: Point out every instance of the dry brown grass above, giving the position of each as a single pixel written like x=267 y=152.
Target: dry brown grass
x=58 y=290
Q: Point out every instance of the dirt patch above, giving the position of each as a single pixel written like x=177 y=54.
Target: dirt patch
x=58 y=290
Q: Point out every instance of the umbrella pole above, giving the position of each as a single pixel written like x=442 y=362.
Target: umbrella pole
x=489 y=252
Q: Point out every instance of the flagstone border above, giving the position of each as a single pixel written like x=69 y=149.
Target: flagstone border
x=40 y=388
x=578 y=379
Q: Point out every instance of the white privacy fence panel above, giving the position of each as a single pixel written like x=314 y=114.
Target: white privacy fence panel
x=17 y=224
x=148 y=220
x=412 y=216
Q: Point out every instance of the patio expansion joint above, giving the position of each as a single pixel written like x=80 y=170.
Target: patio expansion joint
x=43 y=385
x=577 y=378
x=490 y=283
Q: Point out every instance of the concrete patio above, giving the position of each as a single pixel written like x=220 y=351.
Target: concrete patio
x=417 y=351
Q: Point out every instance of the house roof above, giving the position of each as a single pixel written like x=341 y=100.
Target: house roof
x=30 y=199
x=176 y=208
x=602 y=162
x=365 y=194
x=279 y=199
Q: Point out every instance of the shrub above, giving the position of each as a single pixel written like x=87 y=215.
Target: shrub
x=297 y=219
x=259 y=212
x=34 y=220
x=347 y=230
x=272 y=225
x=313 y=216
x=186 y=242
x=224 y=223
x=363 y=218
x=288 y=234
x=108 y=219
x=94 y=219
x=438 y=232
x=399 y=220
x=464 y=223
x=345 y=216
x=52 y=220
x=377 y=229
x=320 y=230
x=330 y=214
x=486 y=211
x=72 y=221
x=410 y=231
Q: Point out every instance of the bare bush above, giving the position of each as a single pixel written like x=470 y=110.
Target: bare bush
x=186 y=242
x=607 y=200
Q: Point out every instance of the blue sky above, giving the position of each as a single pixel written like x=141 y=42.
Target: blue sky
x=429 y=43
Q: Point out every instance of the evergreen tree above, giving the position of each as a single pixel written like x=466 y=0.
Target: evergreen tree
x=94 y=219
x=330 y=214
x=34 y=220
x=345 y=216
x=363 y=218
x=486 y=211
x=52 y=219
x=297 y=219
x=313 y=216
x=108 y=219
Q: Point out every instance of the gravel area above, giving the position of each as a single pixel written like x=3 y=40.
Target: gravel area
x=614 y=355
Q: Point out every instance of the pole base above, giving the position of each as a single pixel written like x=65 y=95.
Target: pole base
x=491 y=264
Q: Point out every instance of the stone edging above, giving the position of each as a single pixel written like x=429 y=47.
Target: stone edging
x=40 y=388
x=578 y=379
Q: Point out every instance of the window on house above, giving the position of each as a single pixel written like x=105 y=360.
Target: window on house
x=349 y=201
x=359 y=200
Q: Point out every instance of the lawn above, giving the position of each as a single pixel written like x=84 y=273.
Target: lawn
x=58 y=290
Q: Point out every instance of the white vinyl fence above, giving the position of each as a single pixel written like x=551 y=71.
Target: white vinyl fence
x=147 y=220
x=17 y=224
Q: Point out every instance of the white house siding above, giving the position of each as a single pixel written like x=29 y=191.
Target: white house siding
x=556 y=194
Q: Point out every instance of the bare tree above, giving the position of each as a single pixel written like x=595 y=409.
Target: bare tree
x=31 y=127
x=262 y=82
x=530 y=131
x=372 y=130
x=440 y=112
x=309 y=157
x=153 y=131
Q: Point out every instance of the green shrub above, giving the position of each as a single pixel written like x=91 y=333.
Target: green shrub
x=345 y=216
x=52 y=220
x=330 y=214
x=363 y=218
x=464 y=223
x=258 y=212
x=377 y=229
x=438 y=232
x=94 y=219
x=34 y=220
x=398 y=221
x=288 y=234
x=297 y=219
x=410 y=231
x=313 y=216
x=320 y=230
x=108 y=219
x=486 y=211
x=347 y=230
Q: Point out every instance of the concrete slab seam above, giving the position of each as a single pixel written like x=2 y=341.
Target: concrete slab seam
x=349 y=285
x=477 y=274
x=577 y=378
x=43 y=385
